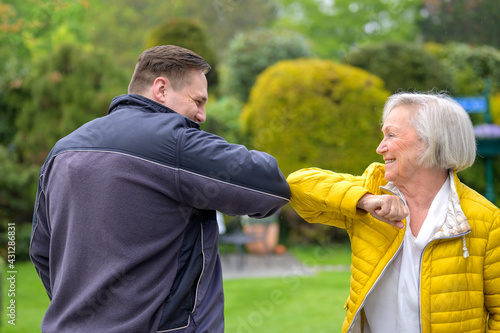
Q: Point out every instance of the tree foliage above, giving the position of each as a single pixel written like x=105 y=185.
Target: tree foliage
x=335 y=27
x=252 y=52
x=67 y=89
x=403 y=66
x=17 y=187
x=225 y=19
x=311 y=112
x=223 y=119
x=11 y=98
x=471 y=66
x=189 y=34
x=474 y=22
x=32 y=29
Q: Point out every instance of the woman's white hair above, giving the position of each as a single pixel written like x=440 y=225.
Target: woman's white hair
x=442 y=124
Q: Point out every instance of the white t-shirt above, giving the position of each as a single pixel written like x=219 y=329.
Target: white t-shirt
x=393 y=304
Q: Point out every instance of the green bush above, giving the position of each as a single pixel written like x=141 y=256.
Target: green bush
x=311 y=112
x=250 y=53
x=470 y=66
x=187 y=33
x=223 y=119
x=11 y=97
x=66 y=89
x=17 y=195
x=403 y=66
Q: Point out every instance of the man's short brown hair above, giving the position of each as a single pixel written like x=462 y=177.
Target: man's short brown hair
x=170 y=61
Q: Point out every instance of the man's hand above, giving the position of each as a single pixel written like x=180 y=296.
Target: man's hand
x=386 y=208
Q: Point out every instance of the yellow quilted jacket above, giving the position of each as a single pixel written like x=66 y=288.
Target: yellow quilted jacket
x=460 y=268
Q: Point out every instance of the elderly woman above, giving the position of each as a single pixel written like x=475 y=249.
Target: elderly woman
x=434 y=265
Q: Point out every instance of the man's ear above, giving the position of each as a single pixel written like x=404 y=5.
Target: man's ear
x=161 y=86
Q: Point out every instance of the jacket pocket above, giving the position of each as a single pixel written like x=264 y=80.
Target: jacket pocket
x=180 y=303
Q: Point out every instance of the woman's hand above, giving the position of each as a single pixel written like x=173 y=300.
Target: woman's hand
x=386 y=208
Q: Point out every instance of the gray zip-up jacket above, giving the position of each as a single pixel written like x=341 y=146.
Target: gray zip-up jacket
x=124 y=231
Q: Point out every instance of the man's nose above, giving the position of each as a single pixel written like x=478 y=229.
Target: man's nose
x=201 y=115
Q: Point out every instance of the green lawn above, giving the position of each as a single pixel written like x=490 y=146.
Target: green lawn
x=291 y=303
x=299 y=304
x=324 y=255
x=30 y=299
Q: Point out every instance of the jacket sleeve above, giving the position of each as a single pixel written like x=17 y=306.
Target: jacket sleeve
x=40 y=241
x=492 y=275
x=322 y=196
x=214 y=174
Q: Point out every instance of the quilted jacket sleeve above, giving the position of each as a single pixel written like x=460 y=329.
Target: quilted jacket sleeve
x=492 y=275
x=322 y=196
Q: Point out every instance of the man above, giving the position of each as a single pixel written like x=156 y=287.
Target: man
x=124 y=232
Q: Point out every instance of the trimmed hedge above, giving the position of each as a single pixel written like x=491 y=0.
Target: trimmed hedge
x=311 y=112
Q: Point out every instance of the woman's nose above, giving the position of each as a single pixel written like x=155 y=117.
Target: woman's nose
x=382 y=148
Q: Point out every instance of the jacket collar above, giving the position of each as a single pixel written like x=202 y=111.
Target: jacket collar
x=456 y=223
x=144 y=104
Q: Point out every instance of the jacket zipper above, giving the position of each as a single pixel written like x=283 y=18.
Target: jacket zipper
x=383 y=271
x=196 y=291
x=378 y=279
x=420 y=272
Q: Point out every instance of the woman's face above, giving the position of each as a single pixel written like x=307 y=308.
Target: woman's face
x=401 y=146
